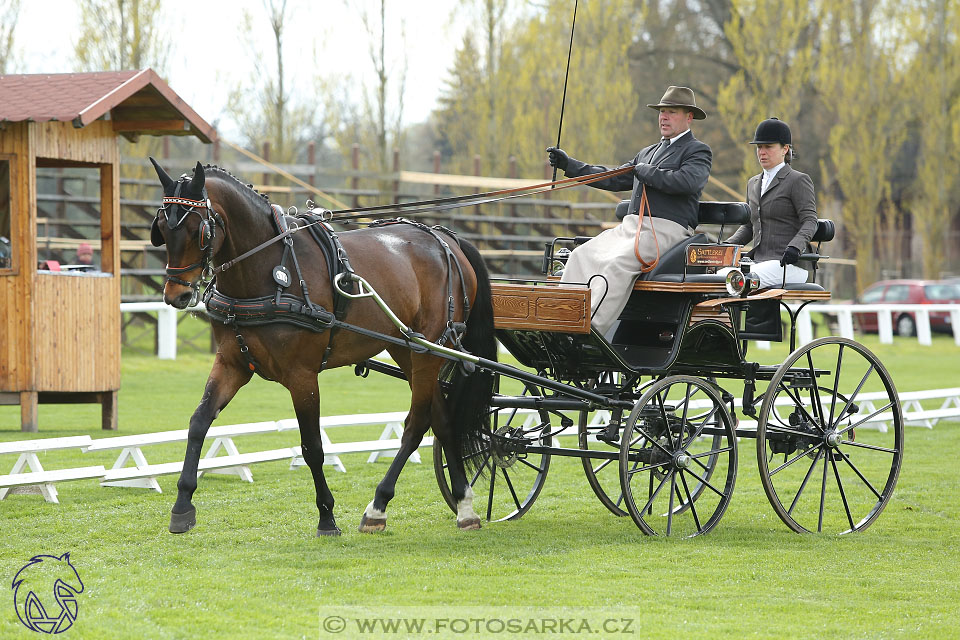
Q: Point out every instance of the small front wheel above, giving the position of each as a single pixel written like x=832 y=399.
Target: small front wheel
x=678 y=458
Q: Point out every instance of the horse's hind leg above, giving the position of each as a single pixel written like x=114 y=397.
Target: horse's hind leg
x=459 y=487
x=222 y=385
x=424 y=389
x=306 y=403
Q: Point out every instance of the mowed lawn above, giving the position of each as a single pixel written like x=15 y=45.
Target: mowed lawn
x=252 y=567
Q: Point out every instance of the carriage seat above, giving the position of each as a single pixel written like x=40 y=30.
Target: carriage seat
x=709 y=212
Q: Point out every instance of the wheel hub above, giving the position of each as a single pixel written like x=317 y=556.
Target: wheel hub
x=682 y=460
x=833 y=439
x=504 y=450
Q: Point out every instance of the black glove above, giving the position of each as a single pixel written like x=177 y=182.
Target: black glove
x=558 y=158
x=790 y=256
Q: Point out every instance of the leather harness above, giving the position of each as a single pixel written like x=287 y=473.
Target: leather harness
x=284 y=307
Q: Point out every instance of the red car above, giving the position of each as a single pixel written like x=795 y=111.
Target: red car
x=908 y=292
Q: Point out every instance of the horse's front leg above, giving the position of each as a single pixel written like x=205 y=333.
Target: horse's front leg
x=222 y=384
x=306 y=403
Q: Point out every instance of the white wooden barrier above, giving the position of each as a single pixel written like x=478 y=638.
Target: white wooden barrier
x=845 y=325
x=37 y=480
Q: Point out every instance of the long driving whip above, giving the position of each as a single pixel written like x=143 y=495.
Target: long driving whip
x=563 y=101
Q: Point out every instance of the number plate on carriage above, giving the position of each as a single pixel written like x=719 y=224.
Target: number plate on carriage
x=713 y=255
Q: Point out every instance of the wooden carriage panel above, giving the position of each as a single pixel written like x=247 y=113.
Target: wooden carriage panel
x=77 y=333
x=541 y=307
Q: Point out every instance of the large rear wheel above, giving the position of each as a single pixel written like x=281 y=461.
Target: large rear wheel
x=825 y=464
x=507 y=479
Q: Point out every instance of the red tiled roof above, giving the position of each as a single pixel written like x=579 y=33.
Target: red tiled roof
x=141 y=100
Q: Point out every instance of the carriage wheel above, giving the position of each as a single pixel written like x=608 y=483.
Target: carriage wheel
x=678 y=458
x=508 y=480
x=603 y=474
x=830 y=465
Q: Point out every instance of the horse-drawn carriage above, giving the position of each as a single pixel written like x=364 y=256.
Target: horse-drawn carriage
x=666 y=448
x=657 y=435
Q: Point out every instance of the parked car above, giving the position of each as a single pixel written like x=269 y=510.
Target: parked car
x=908 y=292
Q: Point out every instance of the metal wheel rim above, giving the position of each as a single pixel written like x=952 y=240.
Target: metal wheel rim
x=832 y=462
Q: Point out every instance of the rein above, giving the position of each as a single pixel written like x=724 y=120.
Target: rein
x=475 y=199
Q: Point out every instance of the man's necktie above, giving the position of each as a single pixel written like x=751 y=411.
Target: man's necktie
x=664 y=145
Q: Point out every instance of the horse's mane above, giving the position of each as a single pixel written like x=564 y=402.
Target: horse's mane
x=260 y=199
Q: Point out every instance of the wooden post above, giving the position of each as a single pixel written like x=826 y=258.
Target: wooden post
x=266 y=156
x=216 y=151
x=166 y=147
x=28 y=411
x=312 y=160
x=108 y=410
x=355 y=180
x=396 y=172
x=513 y=174
x=436 y=169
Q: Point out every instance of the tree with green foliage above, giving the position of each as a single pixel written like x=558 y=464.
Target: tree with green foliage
x=122 y=34
x=527 y=87
x=861 y=78
x=265 y=111
x=934 y=76
x=773 y=43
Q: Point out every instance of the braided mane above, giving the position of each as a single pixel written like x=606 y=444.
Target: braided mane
x=212 y=170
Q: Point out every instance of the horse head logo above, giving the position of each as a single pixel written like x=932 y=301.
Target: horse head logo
x=45 y=593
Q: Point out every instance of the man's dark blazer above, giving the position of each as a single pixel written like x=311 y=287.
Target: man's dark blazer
x=785 y=215
x=674 y=181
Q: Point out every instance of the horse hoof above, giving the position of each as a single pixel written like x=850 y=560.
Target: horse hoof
x=372 y=525
x=468 y=525
x=183 y=522
x=322 y=533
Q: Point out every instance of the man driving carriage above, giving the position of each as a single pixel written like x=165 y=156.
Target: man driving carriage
x=666 y=182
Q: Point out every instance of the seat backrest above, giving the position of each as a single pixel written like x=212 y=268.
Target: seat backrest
x=825 y=232
x=724 y=213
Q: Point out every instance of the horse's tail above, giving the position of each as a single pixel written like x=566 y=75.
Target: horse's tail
x=469 y=396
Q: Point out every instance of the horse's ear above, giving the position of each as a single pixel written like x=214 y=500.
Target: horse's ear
x=198 y=178
x=165 y=180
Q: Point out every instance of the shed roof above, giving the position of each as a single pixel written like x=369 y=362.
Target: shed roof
x=137 y=102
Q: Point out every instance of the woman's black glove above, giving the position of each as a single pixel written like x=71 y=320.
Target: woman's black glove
x=790 y=256
x=558 y=158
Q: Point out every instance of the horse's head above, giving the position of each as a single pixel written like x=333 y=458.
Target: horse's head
x=191 y=240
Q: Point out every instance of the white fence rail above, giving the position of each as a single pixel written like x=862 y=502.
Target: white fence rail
x=167 y=318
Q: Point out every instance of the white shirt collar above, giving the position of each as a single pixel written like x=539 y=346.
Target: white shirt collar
x=675 y=138
x=770 y=173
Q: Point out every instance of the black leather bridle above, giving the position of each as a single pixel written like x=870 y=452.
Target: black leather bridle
x=176 y=208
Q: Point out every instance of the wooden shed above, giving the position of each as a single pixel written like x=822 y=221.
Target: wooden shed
x=60 y=329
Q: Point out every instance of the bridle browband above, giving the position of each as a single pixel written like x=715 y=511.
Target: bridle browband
x=207 y=233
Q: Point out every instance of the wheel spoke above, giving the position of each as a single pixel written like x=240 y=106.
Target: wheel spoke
x=513 y=492
x=836 y=384
x=814 y=389
x=846 y=459
x=493 y=478
x=843 y=496
x=823 y=492
x=863 y=445
x=803 y=484
x=683 y=418
x=702 y=425
x=480 y=468
x=530 y=464
x=673 y=488
x=866 y=418
x=603 y=464
x=854 y=395
x=819 y=448
x=779 y=429
x=653 y=494
x=710 y=453
x=663 y=416
x=693 y=508
x=705 y=483
x=798 y=403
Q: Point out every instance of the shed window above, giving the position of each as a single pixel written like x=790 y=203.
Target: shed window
x=68 y=218
x=6 y=250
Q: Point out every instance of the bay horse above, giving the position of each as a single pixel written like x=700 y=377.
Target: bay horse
x=428 y=278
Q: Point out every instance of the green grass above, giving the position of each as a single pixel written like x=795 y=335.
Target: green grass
x=252 y=568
